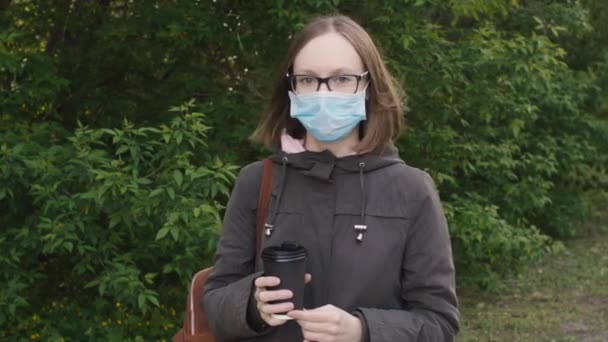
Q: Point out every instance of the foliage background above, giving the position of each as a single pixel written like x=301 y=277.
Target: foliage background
x=123 y=124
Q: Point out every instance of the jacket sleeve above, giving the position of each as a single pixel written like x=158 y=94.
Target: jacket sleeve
x=229 y=287
x=427 y=279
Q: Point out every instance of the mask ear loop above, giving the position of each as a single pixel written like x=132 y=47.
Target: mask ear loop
x=367 y=90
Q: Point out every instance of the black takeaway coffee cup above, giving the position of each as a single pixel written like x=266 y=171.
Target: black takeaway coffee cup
x=288 y=263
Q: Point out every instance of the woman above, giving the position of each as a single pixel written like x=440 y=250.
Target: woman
x=379 y=256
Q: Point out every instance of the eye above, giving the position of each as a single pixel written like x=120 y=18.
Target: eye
x=306 y=80
x=343 y=79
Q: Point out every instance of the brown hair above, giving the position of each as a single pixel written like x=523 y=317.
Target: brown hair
x=385 y=101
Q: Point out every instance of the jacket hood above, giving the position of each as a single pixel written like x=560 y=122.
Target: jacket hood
x=322 y=164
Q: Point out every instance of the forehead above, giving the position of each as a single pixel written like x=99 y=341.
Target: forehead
x=327 y=54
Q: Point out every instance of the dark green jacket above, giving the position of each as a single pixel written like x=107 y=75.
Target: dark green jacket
x=399 y=279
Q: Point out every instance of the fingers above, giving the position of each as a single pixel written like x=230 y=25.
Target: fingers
x=274 y=281
x=267 y=281
x=327 y=323
x=267 y=310
x=275 y=308
x=271 y=320
x=264 y=298
x=271 y=296
x=327 y=313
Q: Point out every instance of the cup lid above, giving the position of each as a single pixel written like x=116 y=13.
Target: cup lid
x=288 y=251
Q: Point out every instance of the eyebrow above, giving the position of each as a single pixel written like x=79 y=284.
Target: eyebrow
x=339 y=71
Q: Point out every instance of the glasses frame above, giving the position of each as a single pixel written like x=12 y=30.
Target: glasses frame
x=321 y=80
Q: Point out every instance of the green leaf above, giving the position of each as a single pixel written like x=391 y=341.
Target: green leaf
x=175 y=233
x=177 y=175
x=122 y=149
x=171 y=193
x=141 y=301
x=156 y=192
x=144 y=181
x=153 y=300
x=208 y=209
x=167 y=136
x=91 y=283
x=149 y=277
x=114 y=220
x=162 y=233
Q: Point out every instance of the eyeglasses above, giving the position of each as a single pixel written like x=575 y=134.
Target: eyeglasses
x=306 y=84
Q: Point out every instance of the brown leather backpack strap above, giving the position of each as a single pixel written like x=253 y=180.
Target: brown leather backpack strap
x=263 y=202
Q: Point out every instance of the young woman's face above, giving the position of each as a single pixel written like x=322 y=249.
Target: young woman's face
x=328 y=55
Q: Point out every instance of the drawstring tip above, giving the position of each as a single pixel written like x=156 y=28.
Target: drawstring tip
x=268 y=230
x=360 y=228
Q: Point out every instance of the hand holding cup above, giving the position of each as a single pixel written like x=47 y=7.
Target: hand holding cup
x=281 y=289
x=265 y=297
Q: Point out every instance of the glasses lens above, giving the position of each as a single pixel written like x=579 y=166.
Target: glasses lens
x=343 y=84
x=304 y=84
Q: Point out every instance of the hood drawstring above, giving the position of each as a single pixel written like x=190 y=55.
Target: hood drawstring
x=362 y=227
x=269 y=227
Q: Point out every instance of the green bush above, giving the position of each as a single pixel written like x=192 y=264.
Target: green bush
x=501 y=121
x=105 y=216
x=487 y=246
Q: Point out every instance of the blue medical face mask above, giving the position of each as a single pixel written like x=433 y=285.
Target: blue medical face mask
x=328 y=116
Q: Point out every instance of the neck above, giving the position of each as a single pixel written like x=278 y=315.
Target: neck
x=340 y=148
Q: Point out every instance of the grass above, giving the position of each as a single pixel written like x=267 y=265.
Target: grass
x=563 y=298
